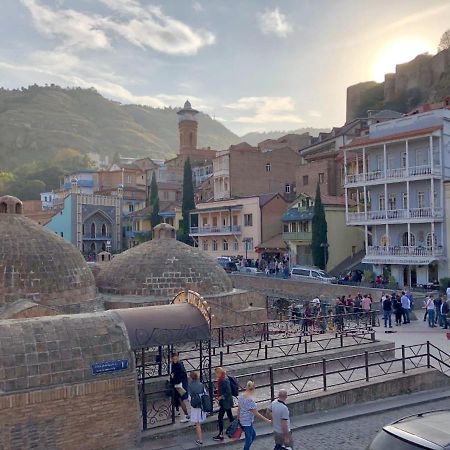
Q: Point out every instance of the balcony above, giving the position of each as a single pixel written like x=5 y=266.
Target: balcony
x=96 y=237
x=403 y=254
x=211 y=230
x=297 y=236
x=396 y=215
x=392 y=175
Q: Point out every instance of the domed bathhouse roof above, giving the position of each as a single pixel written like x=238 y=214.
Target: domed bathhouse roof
x=162 y=268
x=37 y=265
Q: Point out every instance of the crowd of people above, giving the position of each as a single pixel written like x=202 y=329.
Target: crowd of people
x=189 y=391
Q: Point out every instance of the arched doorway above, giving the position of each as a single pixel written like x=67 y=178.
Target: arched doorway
x=104 y=229
x=93 y=230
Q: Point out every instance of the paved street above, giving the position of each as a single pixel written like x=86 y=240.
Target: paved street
x=352 y=434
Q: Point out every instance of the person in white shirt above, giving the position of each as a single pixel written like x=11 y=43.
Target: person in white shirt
x=281 y=422
x=430 y=310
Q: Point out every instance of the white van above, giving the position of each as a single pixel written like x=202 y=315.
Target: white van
x=311 y=274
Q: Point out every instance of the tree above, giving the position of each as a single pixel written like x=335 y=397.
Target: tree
x=188 y=202
x=319 y=242
x=444 y=43
x=155 y=218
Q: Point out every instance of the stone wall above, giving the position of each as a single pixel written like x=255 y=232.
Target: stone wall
x=50 y=397
x=299 y=289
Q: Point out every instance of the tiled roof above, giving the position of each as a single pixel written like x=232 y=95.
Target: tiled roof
x=360 y=142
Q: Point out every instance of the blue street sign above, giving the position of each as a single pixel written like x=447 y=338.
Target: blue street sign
x=109 y=366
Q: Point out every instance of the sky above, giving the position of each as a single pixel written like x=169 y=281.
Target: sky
x=255 y=65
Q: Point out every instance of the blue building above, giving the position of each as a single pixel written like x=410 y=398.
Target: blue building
x=90 y=222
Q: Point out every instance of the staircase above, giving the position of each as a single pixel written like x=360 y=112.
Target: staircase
x=348 y=264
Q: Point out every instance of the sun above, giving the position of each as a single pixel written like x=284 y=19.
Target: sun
x=396 y=53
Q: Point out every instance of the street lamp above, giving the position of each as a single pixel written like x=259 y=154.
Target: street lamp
x=325 y=246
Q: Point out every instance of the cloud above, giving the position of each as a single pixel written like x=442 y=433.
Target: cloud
x=265 y=110
x=75 y=28
x=141 y=26
x=314 y=113
x=274 y=22
x=197 y=7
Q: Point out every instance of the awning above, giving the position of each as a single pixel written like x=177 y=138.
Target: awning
x=274 y=243
x=415 y=261
x=151 y=326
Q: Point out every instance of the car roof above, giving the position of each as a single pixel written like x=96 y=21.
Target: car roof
x=432 y=426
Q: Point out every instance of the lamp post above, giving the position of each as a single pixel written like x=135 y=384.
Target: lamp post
x=325 y=246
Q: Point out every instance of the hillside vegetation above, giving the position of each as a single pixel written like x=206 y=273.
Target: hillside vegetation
x=38 y=122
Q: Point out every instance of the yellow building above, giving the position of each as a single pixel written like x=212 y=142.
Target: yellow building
x=343 y=240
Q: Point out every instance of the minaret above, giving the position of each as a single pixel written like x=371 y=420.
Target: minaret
x=187 y=124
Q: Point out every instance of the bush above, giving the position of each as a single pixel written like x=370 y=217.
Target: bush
x=444 y=283
x=369 y=276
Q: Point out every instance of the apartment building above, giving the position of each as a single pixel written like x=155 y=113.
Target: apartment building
x=244 y=170
x=237 y=226
x=397 y=176
x=343 y=241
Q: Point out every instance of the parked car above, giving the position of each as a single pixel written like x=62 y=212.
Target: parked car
x=428 y=430
x=311 y=274
x=252 y=270
x=228 y=266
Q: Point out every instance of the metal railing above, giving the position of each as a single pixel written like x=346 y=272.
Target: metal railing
x=396 y=214
x=215 y=230
x=405 y=251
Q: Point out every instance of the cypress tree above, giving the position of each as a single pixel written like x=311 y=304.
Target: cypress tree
x=319 y=233
x=188 y=203
x=155 y=218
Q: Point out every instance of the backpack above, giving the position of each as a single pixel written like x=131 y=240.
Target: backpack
x=234 y=386
x=206 y=403
x=196 y=401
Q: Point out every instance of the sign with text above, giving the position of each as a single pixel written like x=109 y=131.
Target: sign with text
x=109 y=366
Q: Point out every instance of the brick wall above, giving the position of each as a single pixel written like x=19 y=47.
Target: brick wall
x=271 y=217
x=90 y=416
x=300 y=289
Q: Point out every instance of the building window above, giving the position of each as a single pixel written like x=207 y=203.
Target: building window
x=403 y=160
x=236 y=246
x=305 y=180
x=249 y=244
x=392 y=202
x=214 y=245
x=412 y=239
x=380 y=165
x=248 y=220
x=103 y=230
x=268 y=167
x=321 y=178
x=205 y=246
x=165 y=195
x=204 y=221
x=421 y=199
x=431 y=240
x=225 y=245
x=404 y=200
x=285 y=228
x=62 y=234
x=287 y=188
x=130 y=207
x=381 y=203
x=384 y=240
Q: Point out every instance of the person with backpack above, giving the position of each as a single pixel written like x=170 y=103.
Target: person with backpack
x=179 y=382
x=198 y=416
x=225 y=399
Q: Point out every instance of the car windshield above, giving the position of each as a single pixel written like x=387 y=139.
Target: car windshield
x=324 y=274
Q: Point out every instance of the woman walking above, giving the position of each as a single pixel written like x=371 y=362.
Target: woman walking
x=179 y=382
x=247 y=411
x=225 y=398
x=198 y=416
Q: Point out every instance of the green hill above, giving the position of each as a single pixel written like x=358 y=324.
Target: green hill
x=36 y=123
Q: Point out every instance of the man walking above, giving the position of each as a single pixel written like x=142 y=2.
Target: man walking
x=444 y=313
x=406 y=305
x=430 y=310
x=281 y=422
x=387 y=311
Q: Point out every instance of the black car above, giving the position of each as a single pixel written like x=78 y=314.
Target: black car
x=228 y=266
x=429 y=430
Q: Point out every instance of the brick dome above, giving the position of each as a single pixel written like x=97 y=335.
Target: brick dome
x=162 y=268
x=37 y=265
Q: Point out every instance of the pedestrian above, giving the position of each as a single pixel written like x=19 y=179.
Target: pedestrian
x=247 y=411
x=198 y=416
x=448 y=291
x=397 y=305
x=225 y=399
x=366 y=303
x=340 y=314
x=179 y=382
x=437 y=311
x=431 y=311
x=281 y=423
x=387 y=311
x=444 y=313
x=406 y=305
x=306 y=318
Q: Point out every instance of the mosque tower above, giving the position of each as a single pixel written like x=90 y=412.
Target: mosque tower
x=187 y=125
